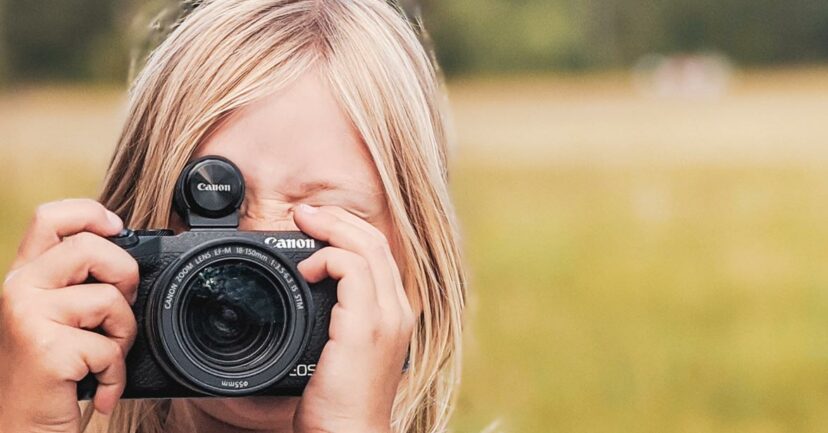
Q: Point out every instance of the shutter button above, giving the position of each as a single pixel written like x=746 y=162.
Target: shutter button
x=125 y=239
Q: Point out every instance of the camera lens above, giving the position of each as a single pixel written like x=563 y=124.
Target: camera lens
x=233 y=317
x=229 y=317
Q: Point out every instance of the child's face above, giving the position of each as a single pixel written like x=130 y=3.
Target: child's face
x=294 y=147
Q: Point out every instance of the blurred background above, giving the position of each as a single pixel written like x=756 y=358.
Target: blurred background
x=641 y=185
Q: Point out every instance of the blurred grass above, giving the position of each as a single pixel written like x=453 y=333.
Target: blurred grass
x=637 y=265
x=646 y=300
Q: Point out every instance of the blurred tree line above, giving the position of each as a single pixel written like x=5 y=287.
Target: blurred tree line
x=90 y=40
x=62 y=40
x=517 y=35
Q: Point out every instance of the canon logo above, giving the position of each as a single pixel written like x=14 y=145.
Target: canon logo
x=213 y=187
x=299 y=244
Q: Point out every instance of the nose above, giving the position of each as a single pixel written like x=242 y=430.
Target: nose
x=266 y=216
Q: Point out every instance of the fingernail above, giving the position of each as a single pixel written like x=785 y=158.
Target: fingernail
x=308 y=209
x=114 y=220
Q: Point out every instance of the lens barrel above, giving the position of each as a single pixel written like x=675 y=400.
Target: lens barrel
x=229 y=318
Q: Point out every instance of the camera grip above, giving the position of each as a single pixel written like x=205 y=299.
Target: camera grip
x=149 y=268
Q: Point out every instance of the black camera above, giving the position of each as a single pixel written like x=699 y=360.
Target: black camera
x=221 y=312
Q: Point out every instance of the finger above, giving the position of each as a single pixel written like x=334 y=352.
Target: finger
x=355 y=220
x=326 y=226
x=377 y=234
x=92 y=306
x=355 y=289
x=56 y=220
x=77 y=258
x=105 y=359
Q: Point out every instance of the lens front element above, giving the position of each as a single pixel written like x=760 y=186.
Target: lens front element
x=233 y=317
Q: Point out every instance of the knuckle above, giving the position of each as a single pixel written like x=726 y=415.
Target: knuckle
x=74 y=371
x=16 y=310
x=132 y=266
x=83 y=202
x=132 y=326
x=93 y=204
x=64 y=363
x=74 y=242
x=82 y=241
x=374 y=326
x=8 y=282
x=359 y=264
x=87 y=238
x=376 y=234
x=339 y=318
x=407 y=322
x=377 y=332
x=42 y=213
x=130 y=322
x=116 y=353
x=42 y=344
x=364 y=328
x=99 y=211
x=9 y=288
x=326 y=251
x=110 y=296
x=393 y=326
x=124 y=259
x=405 y=331
x=132 y=275
x=88 y=207
x=378 y=247
x=364 y=332
x=337 y=313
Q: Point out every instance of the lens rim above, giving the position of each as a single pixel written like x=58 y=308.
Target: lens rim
x=163 y=314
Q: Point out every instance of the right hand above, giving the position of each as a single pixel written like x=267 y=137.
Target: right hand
x=48 y=318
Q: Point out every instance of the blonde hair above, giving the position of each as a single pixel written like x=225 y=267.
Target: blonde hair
x=229 y=53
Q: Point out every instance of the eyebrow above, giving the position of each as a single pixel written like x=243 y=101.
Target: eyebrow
x=310 y=188
x=313 y=187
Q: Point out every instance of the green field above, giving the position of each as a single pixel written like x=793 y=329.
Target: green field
x=638 y=264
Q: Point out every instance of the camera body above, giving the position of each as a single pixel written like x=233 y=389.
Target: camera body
x=221 y=312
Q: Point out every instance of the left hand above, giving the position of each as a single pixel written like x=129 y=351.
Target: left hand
x=355 y=382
